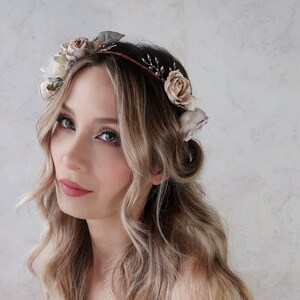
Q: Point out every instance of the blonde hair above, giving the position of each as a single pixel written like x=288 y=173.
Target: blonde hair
x=177 y=224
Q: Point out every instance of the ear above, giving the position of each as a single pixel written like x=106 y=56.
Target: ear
x=158 y=178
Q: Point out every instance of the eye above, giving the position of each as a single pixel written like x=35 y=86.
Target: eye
x=65 y=122
x=109 y=136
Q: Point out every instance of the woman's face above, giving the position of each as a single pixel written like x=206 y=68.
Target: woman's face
x=92 y=175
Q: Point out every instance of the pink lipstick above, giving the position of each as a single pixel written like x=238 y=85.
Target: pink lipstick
x=72 y=189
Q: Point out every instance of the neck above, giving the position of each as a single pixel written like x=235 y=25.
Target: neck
x=109 y=239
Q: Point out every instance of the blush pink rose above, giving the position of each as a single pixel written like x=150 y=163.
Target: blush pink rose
x=191 y=122
x=178 y=89
x=76 y=48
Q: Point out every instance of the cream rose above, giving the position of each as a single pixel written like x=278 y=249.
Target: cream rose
x=76 y=48
x=57 y=67
x=178 y=90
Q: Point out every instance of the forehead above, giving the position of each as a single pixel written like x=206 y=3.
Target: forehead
x=91 y=92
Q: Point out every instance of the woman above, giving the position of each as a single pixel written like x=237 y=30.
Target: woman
x=126 y=217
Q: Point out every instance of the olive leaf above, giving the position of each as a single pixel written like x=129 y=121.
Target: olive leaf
x=108 y=37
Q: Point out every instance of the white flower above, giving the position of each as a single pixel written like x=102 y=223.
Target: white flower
x=58 y=66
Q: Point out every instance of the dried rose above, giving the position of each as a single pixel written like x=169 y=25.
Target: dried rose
x=76 y=48
x=191 y=122
x=178 y=89
x=45 y=92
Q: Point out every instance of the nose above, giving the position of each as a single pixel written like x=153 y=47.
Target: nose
x=76 y=155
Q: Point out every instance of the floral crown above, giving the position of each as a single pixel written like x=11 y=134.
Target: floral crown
x=177 y=87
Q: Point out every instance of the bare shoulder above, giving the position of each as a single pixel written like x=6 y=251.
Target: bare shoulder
x=191 y=284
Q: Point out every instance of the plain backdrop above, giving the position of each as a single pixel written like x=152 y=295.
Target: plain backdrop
x=243 y=57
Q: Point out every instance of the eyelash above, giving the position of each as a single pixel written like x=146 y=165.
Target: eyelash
x=105 y=131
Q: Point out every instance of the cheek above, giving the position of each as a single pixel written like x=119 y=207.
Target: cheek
x=57 y=146
x=54 y=150
x=112 y=167
x=104 y=162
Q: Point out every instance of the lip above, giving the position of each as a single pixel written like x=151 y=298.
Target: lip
x=72 y=189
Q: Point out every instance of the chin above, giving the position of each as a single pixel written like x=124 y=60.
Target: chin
x=73 y=206
x=85 y=209
x=72 y=210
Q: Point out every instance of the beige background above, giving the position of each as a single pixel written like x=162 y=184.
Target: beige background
x=243 y=58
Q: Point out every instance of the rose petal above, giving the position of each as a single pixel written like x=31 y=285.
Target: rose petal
x=191 y=103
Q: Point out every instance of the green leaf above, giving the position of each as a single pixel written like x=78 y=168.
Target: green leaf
x=108 y=37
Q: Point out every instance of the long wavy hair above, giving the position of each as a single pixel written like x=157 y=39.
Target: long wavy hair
x=177 y=224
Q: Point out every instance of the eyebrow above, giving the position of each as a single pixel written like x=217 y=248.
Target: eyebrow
x=100 y=120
